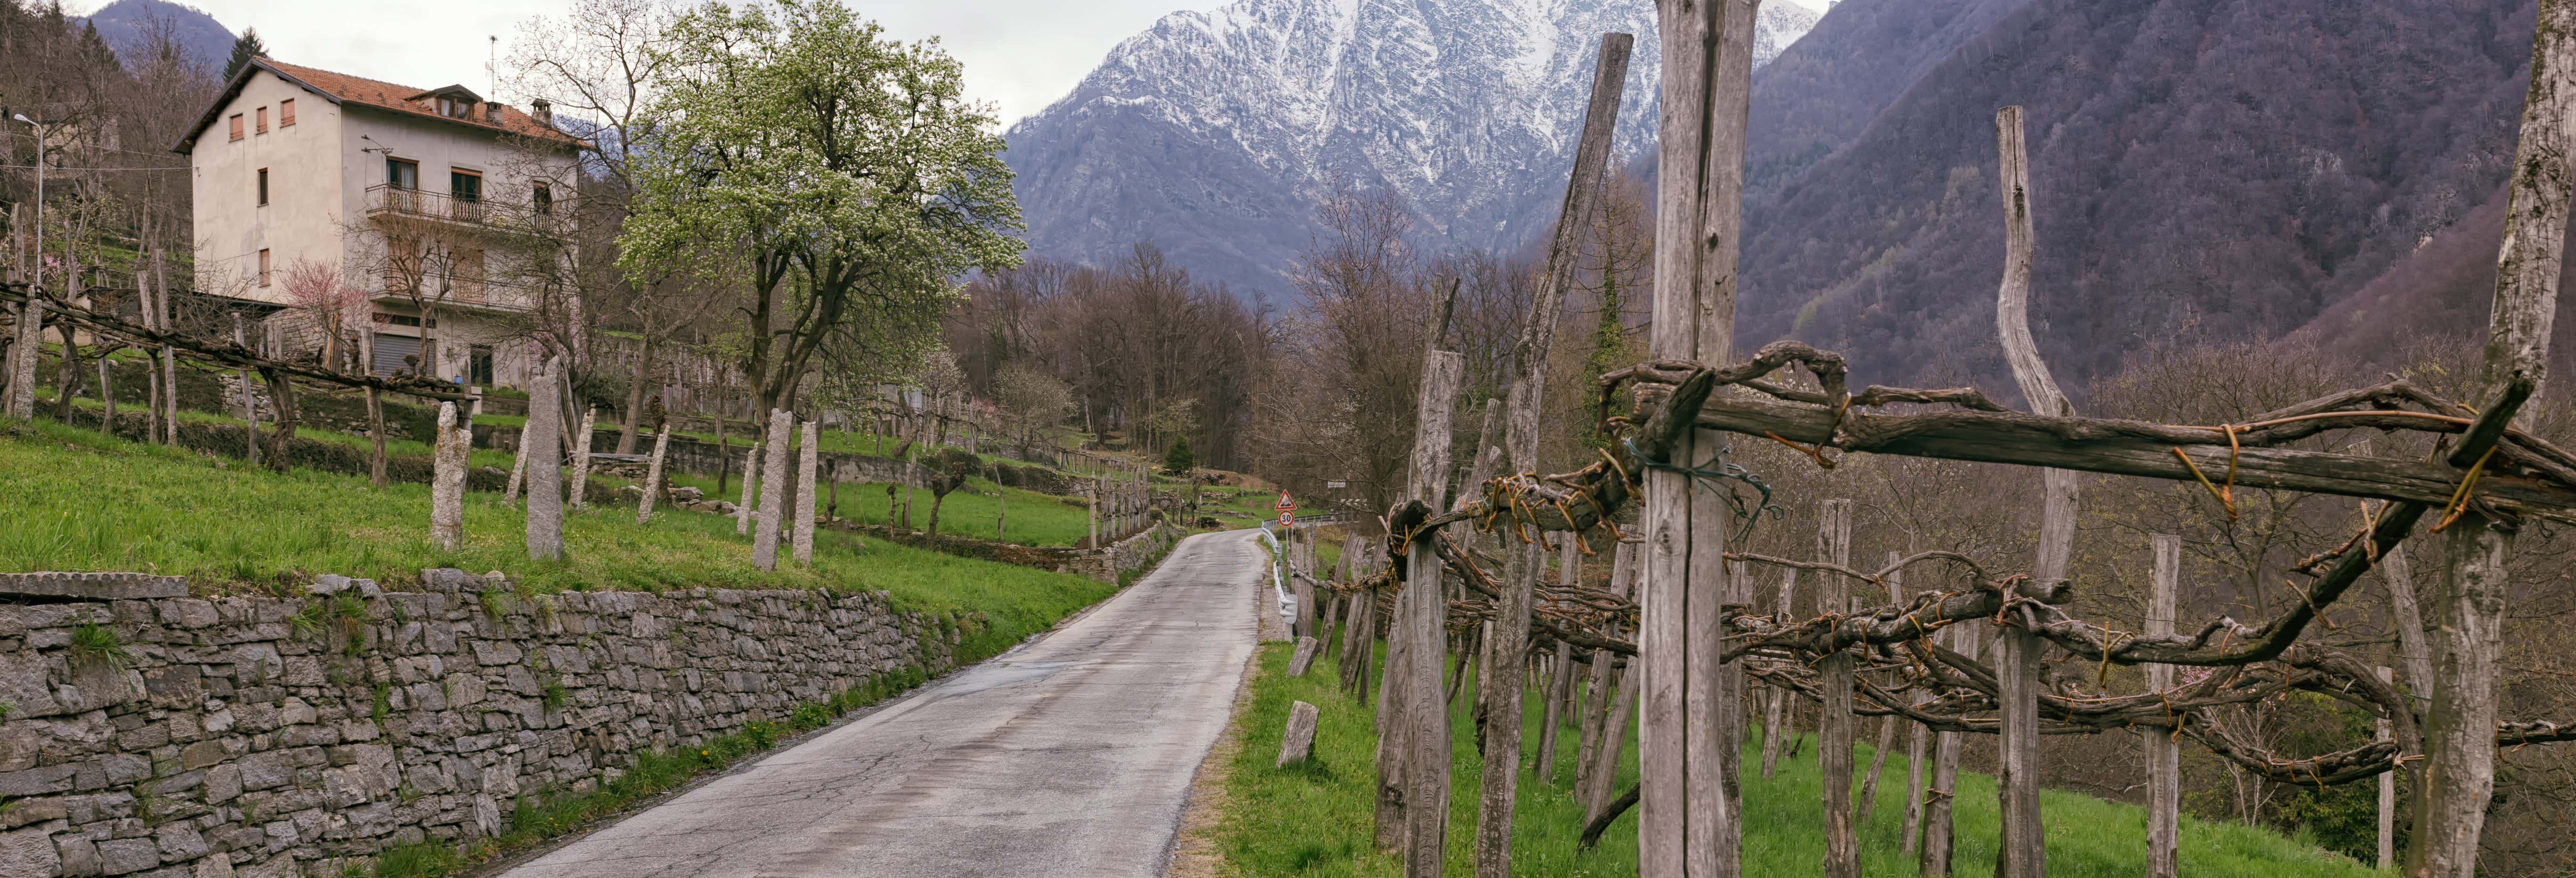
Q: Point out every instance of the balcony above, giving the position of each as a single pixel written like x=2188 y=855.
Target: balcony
x=386 y=202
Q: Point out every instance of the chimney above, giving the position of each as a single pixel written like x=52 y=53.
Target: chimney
x=492 y=112
x=543 y=111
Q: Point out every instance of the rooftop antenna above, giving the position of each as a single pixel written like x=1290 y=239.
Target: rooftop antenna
x=492 y=66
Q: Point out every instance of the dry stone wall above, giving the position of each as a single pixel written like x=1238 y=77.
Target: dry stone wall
x=148 y=734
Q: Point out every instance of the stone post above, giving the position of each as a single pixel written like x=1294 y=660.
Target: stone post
x=447 y=480
x=805 y=498
x=750 y=476
x=537 y=441
x=580 y=442
x=773 y=495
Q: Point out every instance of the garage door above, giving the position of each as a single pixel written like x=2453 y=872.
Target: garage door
x=390 y=351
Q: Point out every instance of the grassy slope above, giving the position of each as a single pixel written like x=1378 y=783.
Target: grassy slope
x=1315 y=819
x=1035 y=519
x=82 y=501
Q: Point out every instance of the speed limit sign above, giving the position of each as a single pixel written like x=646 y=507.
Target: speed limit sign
x=1287 y=518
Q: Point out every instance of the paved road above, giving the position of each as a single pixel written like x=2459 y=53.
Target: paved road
x=1071 y=756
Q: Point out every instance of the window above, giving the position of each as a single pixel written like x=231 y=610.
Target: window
x=543 y=198
x=263 y=187
x=452 y=108
x=263 y=266
x=237 y=134
x=465 y=185
x=402 y=174
x=478 y=365
x=285 y=112
x=263 y=120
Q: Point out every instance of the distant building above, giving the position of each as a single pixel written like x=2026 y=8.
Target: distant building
x=438 y=206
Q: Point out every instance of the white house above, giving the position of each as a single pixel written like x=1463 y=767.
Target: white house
x=436 y=206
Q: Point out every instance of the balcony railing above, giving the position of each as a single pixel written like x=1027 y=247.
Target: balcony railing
x=387 y=200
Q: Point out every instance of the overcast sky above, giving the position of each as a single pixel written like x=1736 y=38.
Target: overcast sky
x=1019 y=54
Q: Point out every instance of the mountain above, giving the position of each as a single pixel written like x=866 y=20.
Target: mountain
x=126 y=24
x=1214 y=134
x=2215 y=169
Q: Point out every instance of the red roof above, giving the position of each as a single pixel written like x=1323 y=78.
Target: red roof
x=342 y=88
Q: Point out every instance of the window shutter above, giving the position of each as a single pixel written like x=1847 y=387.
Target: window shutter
x=237 y=132
x=285 y=112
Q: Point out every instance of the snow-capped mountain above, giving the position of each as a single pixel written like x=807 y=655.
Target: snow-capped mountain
x=1212 y=134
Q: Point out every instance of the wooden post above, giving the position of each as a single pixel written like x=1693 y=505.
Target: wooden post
x=2023 y=852
x=653 y=472
x=250 y=404
x=1599 y=727
x=1421 y=610
x=106 y=395
x=519 y=459
x=1689 y=823
x=1772 y=727
x=1834 y=719
x=447 y=481
x=1938 y=830
x=1886 y=727
x=1560 y=687
x=376 y=421
x=805 y=463
x=2474 y=583
x=1508 y=646
x=2387 y=793
x=580 y=444
x=750 y=477
x=1304 y=657
x=537 y=443
x=2164 y=755
x=773 y=493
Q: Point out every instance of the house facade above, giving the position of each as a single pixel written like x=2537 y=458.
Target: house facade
x=418 y=227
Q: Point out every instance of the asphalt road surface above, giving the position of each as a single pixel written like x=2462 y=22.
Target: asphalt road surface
x=1070 y=756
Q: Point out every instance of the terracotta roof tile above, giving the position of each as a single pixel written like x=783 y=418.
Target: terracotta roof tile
x=386 y=95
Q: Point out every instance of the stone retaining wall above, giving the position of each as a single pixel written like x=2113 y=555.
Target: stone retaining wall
x=265 y=736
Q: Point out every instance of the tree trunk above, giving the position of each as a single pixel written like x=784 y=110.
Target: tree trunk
x=724 y=453
x=634 y=420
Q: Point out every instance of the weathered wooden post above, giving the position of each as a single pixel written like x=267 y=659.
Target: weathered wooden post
x=742 y=512
x=1418 y=738
x=1508 y=647
x=2387 y=794
x=2023 y=852
x=805 y=464
x=519 y=459
x=538 y=443
x=2164 y=755
x=1689 y=824
x=1781 y=699
x=250 y=404
x=773 y=492
x=1613 y=703
x=1938 y=830
x=1560 y=687
x=1887 y=727
x=447 y=481
x=580 y=442
x=2474 y=583
x=1834 y=718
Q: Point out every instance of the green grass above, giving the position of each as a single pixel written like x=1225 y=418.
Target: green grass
x=1315 y=819
x=83 y=501
x=1035 y=519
